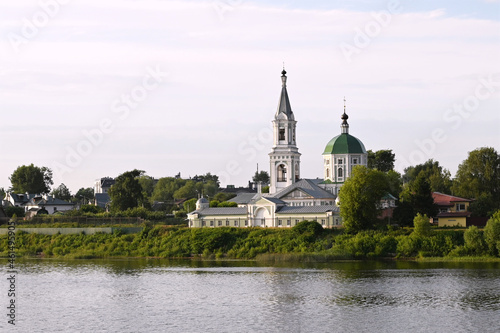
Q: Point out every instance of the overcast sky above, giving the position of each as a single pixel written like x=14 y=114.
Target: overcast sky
x=94 y=88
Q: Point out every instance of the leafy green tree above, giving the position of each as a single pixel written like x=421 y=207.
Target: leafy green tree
x=148 y=185
x=478 y=177
x=2 y=193
x=382 y=160
x=31 y=179
x=474 y=242
x=395 y=182
x=190 y=205
x=214 y=203
x=187 y=191
x=439 y=178
x=12 y=211
x=222 y=196
x=403 y=213
x=85 y=194
x=492 y=234
x=421 y=225
x=421 y=197
x=165 y=189
x=360 y=197
x=127 y=191
x=62 y=192
x=227 y=204
x=261 y=176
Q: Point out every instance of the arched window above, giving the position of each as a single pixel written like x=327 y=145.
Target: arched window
x=281 y=134
x=281 y=173
x=340 y=173
x=297 y=172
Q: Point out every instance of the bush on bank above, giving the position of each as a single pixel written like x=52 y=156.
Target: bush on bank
x=301 y=241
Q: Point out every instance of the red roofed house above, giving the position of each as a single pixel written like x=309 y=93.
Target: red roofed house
x=453 y=211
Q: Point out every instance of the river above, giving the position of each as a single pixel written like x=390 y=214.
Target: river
x=139 y=295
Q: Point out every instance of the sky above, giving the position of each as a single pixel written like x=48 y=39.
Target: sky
x=94 y=88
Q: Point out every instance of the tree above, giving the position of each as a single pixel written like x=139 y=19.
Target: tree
x=85 y=194
x=492 y=234
x=126 y=192
x=2 y=193
x=190 y=205
x=261 y=176
x=474 y=242
x=439 y=178
x=147 y=185
x=62 y=192
x=360 y=197
x=382 y=160
x=421 y=197
x=31 y=179
x=478 y=177
x=421 y=225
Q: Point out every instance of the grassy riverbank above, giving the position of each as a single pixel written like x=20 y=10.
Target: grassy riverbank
x=306 y=242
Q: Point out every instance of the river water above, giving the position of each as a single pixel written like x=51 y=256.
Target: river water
x=201 y=296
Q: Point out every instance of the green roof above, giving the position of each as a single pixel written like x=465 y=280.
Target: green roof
x=344 y=144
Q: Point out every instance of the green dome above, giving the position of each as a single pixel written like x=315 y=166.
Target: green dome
x=344 y=144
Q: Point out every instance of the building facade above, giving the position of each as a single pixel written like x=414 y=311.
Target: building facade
x=291 y=199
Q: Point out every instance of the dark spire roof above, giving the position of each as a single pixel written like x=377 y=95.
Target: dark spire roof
x=284 y=108
x=345 y=125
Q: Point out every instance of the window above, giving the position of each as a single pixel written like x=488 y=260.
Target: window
x=235 y=223
x=340 y=173
x=279 y=222
x=227 y=223
x=354 y=161
x=340 y=161
x=281 y=173
x=219 y=223
x=297 y=221
x=211 y=223
x=281 y=134
x=203 y=223
x=322 y=221
x=246 y=223
x=460 y=207
x=327 y=173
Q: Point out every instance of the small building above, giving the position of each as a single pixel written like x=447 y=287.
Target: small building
x=453 y=211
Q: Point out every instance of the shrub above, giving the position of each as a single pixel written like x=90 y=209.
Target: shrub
x=492 y=234
x=421 y=225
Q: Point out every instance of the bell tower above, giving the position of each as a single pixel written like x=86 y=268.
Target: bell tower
x=284 y=157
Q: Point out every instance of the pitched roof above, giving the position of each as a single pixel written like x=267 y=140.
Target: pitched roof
x=243 y=198
x=442 y=199
x=284 y=108
x=221 y=211
x=308 y=186
x=308 y=209
x=454 y=214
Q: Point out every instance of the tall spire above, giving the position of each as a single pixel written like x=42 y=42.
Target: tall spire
x=345 y=126
x=284 y=103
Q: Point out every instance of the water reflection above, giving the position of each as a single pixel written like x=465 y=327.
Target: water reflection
x=136 y=295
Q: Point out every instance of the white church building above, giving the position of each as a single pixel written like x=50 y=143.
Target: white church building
x=291 y=199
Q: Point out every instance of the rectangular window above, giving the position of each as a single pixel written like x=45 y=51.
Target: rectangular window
x=227 y=223
x=279 y=222
x=460 y=207
x=219 y=223
x=323 y=222
x=354 y=161
x=211 y=223
x=246 y=223
x=203 y=223
x=235 y=223
x=281 y=134
x=340 y=161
